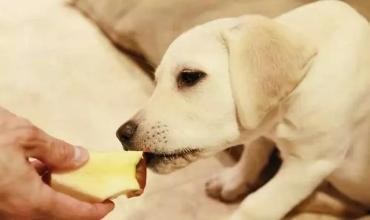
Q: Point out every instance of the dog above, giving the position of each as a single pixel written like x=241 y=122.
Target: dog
x=300 y=81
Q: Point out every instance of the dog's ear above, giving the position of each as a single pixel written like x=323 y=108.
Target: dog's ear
x=267 y=61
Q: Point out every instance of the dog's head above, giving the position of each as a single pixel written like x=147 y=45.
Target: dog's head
x=213 y=82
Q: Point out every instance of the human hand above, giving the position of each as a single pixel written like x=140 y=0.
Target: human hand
x=23 y=193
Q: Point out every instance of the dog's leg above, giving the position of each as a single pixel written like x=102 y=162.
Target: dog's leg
x=328 y=200
x=296 y=180
x=235 y=182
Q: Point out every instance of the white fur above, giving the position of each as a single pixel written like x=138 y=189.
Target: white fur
x=319 y=120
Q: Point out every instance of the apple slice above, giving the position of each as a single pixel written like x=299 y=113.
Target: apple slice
x=105 y=176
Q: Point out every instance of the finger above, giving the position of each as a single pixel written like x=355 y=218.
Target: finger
x=65 y=207
x=6 y=112
x=11 y=119
x=42 y=170
x=8 y=121
x=40 y=167
x=60 y=156
x=55 y=153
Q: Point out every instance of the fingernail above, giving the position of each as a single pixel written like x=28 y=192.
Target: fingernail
x=109 y=204
x=81 y=155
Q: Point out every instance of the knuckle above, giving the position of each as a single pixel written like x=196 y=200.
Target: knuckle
x=17 y=122
x=11 y=123
x=30 y=133
x=21 y=120
x=24 y=122
x=26 y=136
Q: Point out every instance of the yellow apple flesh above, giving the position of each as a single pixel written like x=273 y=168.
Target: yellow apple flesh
x=105 y=176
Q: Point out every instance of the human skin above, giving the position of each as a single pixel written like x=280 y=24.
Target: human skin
x=23 y=194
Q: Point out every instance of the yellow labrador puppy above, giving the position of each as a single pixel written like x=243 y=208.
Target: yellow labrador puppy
x=300 y=81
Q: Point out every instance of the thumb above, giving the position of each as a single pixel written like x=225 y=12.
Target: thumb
x=55 y=153
x=60 y=206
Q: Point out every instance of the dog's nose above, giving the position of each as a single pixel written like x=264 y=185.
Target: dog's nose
x=126 y=132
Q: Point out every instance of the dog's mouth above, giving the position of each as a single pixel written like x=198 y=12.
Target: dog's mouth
x=164 y=162
x=186 y=153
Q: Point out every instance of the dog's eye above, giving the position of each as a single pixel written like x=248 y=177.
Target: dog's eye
x=188 y=78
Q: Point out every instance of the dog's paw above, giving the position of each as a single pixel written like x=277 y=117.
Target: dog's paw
x=228 y=186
